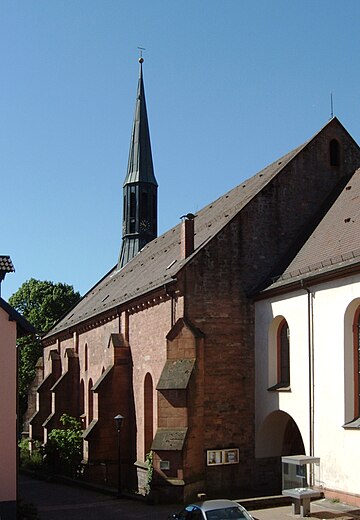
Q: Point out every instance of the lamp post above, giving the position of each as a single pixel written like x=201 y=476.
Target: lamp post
x=118 y=421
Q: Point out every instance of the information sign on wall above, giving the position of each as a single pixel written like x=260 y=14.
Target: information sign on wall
x=218 y=457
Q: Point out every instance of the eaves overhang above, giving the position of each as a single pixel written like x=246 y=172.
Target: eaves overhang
x=159 y=263
x=99 y=318
x=169 y=439
x=310 y=277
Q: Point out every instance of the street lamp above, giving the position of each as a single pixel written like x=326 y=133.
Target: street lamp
x=118 y=421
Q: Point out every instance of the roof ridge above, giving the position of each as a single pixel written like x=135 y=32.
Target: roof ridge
x=160 y=260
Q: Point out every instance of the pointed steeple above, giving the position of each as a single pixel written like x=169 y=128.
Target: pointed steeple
x=140 y=186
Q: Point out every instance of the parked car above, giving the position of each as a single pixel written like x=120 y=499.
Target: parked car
x=213 y=510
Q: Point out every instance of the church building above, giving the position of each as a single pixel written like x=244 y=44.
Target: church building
x=307 y=352
x=175 y=337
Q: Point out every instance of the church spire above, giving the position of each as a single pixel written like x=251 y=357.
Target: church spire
x=140 y=186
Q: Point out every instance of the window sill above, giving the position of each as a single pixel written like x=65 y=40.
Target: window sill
x=280 y=387
x=353 y=425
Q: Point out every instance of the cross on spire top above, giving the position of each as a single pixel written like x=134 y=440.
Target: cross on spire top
x=141 y=49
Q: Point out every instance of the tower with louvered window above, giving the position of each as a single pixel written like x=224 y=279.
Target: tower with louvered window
x=140 y=186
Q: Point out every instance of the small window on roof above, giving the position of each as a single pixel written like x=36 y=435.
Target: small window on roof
x=334 y=149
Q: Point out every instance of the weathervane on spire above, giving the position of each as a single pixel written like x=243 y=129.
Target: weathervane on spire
x=141 y=49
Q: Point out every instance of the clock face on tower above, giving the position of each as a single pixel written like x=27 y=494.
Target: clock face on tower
x=144 y=225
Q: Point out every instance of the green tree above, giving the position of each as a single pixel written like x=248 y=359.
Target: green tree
x=42 y=303
x=63 y=451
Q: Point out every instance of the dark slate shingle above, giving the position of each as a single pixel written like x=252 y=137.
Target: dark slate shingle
x=6 y=264
x=335 y=241
x=160 y=260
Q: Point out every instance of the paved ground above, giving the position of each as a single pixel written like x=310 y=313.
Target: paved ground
x=321 y=510
x=59 y=501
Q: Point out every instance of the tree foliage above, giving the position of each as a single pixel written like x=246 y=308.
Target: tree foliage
x=42 y=303
x=29 y=352
x=63 y=451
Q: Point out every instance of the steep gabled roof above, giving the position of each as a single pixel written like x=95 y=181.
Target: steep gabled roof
x=334 y=244
x=159 y=261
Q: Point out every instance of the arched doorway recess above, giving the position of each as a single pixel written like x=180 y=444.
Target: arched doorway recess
x=278 y=435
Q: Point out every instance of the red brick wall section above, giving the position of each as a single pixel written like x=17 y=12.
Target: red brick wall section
x=114 y=395
x=65 y=392
x=219 y=404
x=297 y=198
x=194 y=454
x=147 y=338
x=235 y=262
x=32 y=394
x=44 y=397
x=217 y=305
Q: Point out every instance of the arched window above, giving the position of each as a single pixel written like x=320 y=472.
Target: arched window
x=148 y=413
x=154 y=207
x=144 y=205
x=132 y=211
x=357 y=364
x=86 y=357
x=334 y=153
x=278 y=360
x=90 y=402
x=132 y=205
x=124 y=209
x=283 y=349
x=351 y=364
x=82 y=400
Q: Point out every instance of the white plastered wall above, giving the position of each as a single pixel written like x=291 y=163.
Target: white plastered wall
x=334 y=305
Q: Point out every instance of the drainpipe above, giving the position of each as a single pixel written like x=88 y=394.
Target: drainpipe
x=310 y=309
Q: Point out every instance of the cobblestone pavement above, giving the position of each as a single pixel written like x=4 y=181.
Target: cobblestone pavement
x=56 y=501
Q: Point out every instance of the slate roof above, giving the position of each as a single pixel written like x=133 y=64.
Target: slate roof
x=176 y=374
x=159 y=261
x=335 y=243
x=169 y=439
x=6 y=264
x=140 y=164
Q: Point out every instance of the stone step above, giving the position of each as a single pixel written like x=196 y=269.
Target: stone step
x=264 y=502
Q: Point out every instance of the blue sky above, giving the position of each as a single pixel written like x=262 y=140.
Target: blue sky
x=231 y=85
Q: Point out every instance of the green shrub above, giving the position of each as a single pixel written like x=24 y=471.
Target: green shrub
x=63 y=451
x=150 y=471
x=33 y=460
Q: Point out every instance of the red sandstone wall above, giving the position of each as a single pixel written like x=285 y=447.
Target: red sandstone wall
x=220 y=398
x=273 y=224
x=236 y=261
x=147 y=339
x=216 y=304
